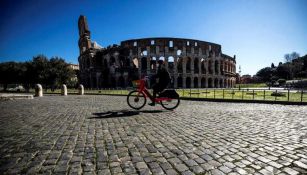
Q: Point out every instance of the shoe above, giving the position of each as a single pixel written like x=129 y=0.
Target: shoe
x=152 y=104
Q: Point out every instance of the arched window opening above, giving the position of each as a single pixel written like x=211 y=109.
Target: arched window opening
x=179 y=52
x=222 y=68
x=216 y=82
x=195 y=82
x=144 y=53
x=203 y=82
x=171 y=63
x=188 y=82
x=210 y=67
x=221 y=83
x=179 y=65
x=171 y=44
x=196 y=66
x=112 y=61
x=188 y=65
x=216 y=66
x=179 y=82
x=210 y=83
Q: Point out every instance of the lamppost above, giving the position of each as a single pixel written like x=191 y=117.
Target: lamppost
x=239 y=77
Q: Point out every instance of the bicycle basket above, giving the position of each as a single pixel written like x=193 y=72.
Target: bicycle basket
x=136 y=83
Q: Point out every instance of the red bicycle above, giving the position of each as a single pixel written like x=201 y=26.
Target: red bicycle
x=136 y=99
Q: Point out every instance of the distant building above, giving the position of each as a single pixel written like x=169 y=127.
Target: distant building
x=74 y=66
x=245 y=79
x=76 y=69
x=191 y=63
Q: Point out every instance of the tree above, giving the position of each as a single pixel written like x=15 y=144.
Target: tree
x=291 y=57
x=59 y=72
x=265 y=74
x=272 y=65
x=49 y=73
x=11 y=73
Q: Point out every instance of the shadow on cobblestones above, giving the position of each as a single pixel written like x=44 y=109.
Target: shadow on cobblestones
x=122 y=113
x=111 y=114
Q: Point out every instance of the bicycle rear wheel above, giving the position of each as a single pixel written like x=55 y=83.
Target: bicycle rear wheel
x=136 y=99
x=170 y=104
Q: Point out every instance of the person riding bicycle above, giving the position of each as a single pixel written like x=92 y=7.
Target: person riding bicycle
x=162 y=80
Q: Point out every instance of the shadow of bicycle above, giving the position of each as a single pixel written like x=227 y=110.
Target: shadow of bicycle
x=122 y=113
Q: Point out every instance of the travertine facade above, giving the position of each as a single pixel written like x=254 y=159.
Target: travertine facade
x=192 y=63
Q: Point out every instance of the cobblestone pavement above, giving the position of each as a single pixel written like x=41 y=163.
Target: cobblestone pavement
x=102 y=135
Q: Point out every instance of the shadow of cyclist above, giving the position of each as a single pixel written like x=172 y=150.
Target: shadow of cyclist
x=122 y=113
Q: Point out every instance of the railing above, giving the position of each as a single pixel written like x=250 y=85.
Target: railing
x=234 y=94
x=290 y=95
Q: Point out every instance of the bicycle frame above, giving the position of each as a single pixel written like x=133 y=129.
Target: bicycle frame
x=142 y=88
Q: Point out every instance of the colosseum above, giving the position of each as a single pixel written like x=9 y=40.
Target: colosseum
x=191 y=63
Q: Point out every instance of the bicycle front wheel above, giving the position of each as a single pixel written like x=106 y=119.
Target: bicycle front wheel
x=136 y=99
x=171 y=104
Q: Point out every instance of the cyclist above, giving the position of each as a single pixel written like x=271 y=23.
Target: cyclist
x=162 y=80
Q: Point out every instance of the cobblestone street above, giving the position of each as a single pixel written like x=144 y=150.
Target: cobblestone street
x=102 y=135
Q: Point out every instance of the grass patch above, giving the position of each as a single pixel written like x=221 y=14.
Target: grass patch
x=252 y=85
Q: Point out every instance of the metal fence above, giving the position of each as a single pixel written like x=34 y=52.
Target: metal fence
x=290 y=95
x=235 y=94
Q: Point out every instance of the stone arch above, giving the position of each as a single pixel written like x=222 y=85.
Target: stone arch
x=203 y=82
x=179 y=65
x=216 y=82
x=221 y=83
x=121 y=60
x=195 y=81
x=216 y=66
x=196 y=65
x=112 y=60
x=179 y=82
x=188 y=65
x=222 y=68
x=188 y=82
x=225 y=83
x=203 y=66
x=210 y=83
x=210 y=67
x=171 y=64
x=105 y=63
x=179 y=52
x=144 y=53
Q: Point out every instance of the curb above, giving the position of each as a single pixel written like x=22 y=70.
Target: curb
x=229 y=100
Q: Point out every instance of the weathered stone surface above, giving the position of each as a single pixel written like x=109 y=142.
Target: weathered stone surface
x=84 y=135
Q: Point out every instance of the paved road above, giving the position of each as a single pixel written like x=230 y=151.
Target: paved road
x=101 y=135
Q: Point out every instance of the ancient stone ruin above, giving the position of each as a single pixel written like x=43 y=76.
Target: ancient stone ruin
x=191 y=63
